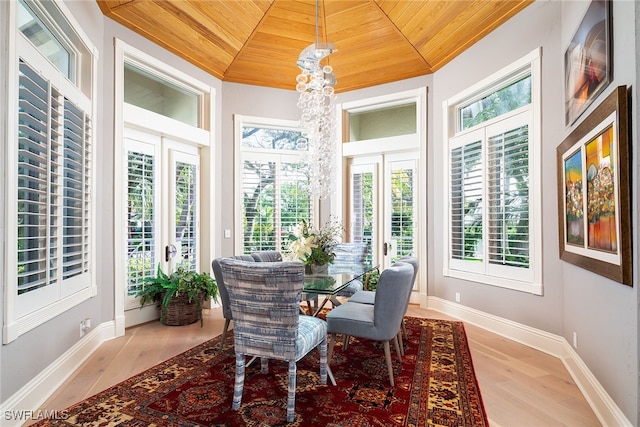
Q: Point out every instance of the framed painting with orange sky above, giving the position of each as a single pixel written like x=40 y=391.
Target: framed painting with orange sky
x=587 y=60
x=593 y=191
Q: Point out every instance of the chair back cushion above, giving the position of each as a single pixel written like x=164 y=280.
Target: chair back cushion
x=349 y=257
x=267 y=256
x=265 y=303
x=222 y=288
x=392 y=294
x=414 y=262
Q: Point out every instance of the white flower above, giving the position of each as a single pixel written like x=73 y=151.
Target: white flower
x=302 y=247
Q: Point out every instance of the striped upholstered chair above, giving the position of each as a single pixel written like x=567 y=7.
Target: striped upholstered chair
x=276 y=256
x=265 y=301
x=224 y=295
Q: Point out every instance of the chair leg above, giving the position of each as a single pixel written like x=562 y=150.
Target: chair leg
x=397 y=346
x=322 y=348
x=387 y=356
x=404 y=330
x=224 y=332
x=332 y=343
x=399 y=338
x=239 y=383
x=345 y=343
x=264 y=365
x=291 y=392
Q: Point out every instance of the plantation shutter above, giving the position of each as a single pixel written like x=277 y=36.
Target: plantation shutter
x=54 y=185
x=403 y=184
x=293 y=199
x=508 y=197
x=141 y=224
x=466 y=202
x=258 y=183
x=362 y=205
x=186 y=220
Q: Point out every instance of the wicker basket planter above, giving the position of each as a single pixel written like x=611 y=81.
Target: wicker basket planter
x=180 y=311
x=180 y=294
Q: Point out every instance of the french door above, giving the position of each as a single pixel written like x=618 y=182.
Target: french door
x=161 y=223
x=383 y=208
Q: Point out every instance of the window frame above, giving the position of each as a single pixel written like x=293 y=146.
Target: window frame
x=29 y=310
x=532 y=283
x=276 y=155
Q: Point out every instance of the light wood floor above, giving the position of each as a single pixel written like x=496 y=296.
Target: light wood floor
x=520 y=386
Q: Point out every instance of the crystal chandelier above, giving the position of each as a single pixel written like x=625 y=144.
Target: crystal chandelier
x=315 y=84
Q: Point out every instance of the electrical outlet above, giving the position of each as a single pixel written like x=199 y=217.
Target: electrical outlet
x=575 y=340
x=85 y=325
x=457 y=296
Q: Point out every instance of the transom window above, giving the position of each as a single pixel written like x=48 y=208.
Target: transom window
x=492 y=218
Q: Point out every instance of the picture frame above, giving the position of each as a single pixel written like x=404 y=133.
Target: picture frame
x=588 y=60
x=594 y=200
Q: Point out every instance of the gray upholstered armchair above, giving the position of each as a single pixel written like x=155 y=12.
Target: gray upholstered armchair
x=224 y=295
x=265 y=302
x=350 y=257
x=380 y=321
x=368 y=297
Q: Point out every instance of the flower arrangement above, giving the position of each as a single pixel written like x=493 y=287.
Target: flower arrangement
x=315 y=247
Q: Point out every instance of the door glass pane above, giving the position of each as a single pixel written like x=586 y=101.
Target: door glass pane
x=141 y=242
x=402 y=194
x=185 y=214
x=362 y=209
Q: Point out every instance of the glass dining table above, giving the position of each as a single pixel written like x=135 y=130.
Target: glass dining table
x=337 y=278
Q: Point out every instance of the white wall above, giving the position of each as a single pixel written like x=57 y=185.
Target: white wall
x=603 y=313
x=29 y=355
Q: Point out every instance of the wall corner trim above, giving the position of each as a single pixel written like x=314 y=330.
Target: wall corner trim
x=601 y=403
x=35 y=393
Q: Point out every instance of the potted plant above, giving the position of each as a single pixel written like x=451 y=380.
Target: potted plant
x=180 y=294
x=315 y=247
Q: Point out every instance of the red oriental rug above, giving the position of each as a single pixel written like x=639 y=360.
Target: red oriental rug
x=435 y=385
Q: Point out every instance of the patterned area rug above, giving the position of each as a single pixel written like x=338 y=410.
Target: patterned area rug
x=435 y=385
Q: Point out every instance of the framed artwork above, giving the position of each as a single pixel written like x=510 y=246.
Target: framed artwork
x=593 y=192
x=587 y=60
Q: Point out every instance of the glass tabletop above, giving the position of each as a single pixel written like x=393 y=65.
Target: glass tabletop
x=337 y=278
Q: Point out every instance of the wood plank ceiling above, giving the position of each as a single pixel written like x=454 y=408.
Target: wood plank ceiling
x=258 y=41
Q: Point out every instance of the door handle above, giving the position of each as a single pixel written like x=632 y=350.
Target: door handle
x=384 y=248
x=169 y=252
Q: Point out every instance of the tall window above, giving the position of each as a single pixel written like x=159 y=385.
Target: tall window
x=52 y=157
x=492 y=220
x=274 y=183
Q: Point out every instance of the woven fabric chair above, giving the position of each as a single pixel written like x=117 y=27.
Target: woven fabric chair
x=350 y=257
x=276 y=256
x=265 y=302
x=224 y=295
x=380 y=321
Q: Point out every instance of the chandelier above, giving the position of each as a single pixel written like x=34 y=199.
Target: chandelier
x=315 y=84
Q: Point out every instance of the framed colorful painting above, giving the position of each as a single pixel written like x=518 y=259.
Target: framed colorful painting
x=593 y=192
x=587 y=60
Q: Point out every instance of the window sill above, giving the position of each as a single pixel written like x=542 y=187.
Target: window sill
x=534 y=287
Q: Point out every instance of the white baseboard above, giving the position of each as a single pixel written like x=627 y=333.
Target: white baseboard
x=23 y=405
x=608 y=413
